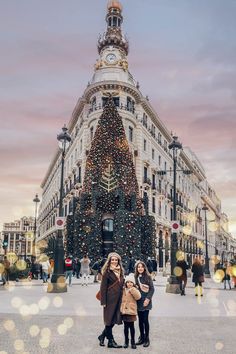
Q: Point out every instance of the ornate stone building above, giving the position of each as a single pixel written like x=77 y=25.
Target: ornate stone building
x=148 y=139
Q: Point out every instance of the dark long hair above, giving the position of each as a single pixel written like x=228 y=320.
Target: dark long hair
x=146 y=275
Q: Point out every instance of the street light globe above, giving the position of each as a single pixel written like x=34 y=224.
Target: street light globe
x=64 y=139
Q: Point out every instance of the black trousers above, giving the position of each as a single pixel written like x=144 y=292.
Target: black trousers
x=127 y=326
x=108 y=332
x=143 y=323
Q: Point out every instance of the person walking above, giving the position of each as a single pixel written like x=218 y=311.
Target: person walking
x=182 y=277
x=76 y=268
x=226 y=279
x=146 y=288
x=85 y=270
x=95 y=268
x=154 y=268
x=6 y=272
x=68 y=265
x=149 y=265
x=198 y=276
x=45 y=269
x=128 y=309
x=111 y=295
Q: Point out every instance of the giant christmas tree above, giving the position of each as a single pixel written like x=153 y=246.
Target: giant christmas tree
x=109 y=214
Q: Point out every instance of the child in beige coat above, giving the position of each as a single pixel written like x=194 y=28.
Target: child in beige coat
x=128 y=309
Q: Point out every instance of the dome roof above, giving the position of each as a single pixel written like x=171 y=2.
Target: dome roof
x=114 y=4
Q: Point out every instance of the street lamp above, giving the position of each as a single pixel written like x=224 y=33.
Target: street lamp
x=206 y=270
x=36 y=200
x=175 y=145
x=58 y=284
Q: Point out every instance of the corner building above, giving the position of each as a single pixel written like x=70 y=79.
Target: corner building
x=148 y=140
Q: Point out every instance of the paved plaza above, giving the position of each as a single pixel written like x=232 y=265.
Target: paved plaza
x=33 y=321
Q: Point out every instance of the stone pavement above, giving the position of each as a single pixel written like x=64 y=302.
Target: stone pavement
x=70 y=322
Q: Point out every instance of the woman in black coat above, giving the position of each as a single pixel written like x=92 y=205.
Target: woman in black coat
x=111 y=295
x=226 y=278
x=182 y=278
x=198 y=276
x=146 y=288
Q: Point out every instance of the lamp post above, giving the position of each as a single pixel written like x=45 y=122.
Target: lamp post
x=175 y=145
x=206 y=270
x=36 y=200
x=58 y=284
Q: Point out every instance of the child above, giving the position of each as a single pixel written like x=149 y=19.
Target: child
x=128 y=309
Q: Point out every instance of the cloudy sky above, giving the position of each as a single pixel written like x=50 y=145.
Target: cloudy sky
x=183 y=53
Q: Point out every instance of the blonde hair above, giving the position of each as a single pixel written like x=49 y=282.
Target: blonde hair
x=107 y=264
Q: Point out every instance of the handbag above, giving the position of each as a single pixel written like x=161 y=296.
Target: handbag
x=201 y=279
x=98 y=294
x=143 y=287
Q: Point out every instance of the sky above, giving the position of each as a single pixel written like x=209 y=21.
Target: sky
x=182 y=52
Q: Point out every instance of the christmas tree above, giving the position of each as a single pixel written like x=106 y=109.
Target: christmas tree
x=110 y=192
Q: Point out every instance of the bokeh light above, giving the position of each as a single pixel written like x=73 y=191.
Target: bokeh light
x=45 y=332
x=218 y=276
x=178 y=271
x=24 y=310
x=57 y=301
x=219 y=346
x=215 y=259
x=16 y=302
x=213 y=226
x=69 y=322
x=34 y=309
x=34 y=330
x=43 y=303
x=19 y=344
x=9 y=325
x=44 y=342
x=62 y=329
x=21 y=264
x=187 y=230
x=180 y=255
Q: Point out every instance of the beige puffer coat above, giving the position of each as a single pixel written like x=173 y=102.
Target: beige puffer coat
x=129 y=301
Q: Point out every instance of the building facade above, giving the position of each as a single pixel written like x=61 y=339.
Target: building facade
x=17 y=237
x=148 y=139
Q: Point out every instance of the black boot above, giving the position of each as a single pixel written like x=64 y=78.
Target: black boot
x=140 y=341
x=146 y=342
x=113 y=344
x=101 y=339
x=126 y=345
x=133 y=345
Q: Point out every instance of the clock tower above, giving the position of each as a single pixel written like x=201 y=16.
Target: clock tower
x=113 y=49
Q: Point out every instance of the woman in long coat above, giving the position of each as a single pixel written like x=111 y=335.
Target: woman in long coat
x=111 y=295
x=198 y=276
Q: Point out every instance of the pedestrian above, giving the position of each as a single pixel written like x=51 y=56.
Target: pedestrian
x=198 y=276
x=6 y=272
x=226 y=279
x=182 y=275
x=131 y=264
x=45 y=269
x=146 y=288
x=149 y=265
x=111 y=295
x=95 y=268
x=154 y=269
x=68 y=268
x=76 y=267
x=85 y=270
x=128 y=309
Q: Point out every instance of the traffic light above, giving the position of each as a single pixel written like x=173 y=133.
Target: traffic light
x=4 y=244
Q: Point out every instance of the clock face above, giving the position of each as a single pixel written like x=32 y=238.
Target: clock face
x=111 y=58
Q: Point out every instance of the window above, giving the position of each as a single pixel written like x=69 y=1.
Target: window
x=145 y=172
x=130 y=104
x=153 y=130
x=159 y=186
x=153 y=204
x=165 y=145
x=159 y=160
x=107 y=225
x=115 y=99
x=130 y=134
x=145 y=120
x=79 y=174
x=144 y=145
x=159 y=208
x=159 y=138
x=153 y=181
x=91 y=133
x=165 y=168
x=93 y=103
x=153 y=154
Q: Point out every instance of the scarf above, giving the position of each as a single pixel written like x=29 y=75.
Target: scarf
x=116 y=270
